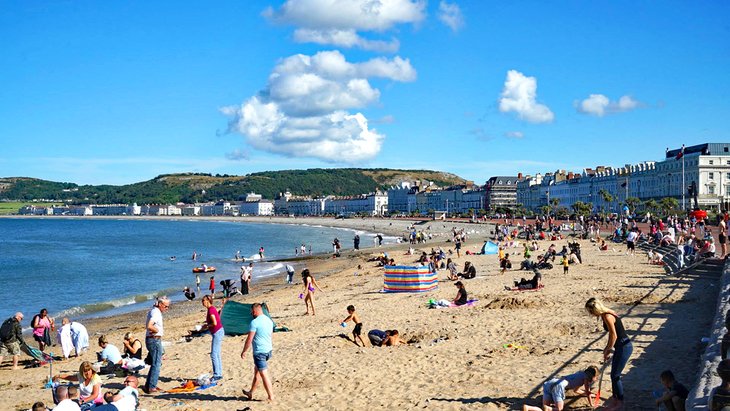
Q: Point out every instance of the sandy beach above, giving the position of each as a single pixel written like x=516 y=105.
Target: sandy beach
x=457 y=358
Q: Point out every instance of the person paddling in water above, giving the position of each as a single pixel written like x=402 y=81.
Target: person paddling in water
x=309 y=286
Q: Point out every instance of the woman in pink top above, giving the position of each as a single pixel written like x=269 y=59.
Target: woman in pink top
x=213 y=321
x=42 y=327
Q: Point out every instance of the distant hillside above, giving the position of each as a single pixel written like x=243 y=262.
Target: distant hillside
x=198 y=187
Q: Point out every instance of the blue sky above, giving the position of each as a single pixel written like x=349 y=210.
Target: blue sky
x=119 y=92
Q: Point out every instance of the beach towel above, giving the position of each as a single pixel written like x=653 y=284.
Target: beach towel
x=190 y=386
x=63 y=337
x=401 y=278
x=79 y=336
x=37 y=354
x=236 y=317
x=450 y=304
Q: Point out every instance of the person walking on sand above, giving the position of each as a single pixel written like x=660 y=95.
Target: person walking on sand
x=11 y=336
x=356 y=242
x=618 y=342
x=42 y=326
x=215 y=327
x=259 y=338
x=309 y=286
x=153 y=341
x=289 y=274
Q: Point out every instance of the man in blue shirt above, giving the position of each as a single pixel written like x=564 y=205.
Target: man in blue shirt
x=259 y=336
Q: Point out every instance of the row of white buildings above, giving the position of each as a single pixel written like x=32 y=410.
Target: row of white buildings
x=706 y=166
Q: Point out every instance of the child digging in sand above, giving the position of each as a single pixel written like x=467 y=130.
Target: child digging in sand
x=357 y=331
x=553 y=391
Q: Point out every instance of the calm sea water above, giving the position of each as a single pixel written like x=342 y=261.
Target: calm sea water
x=81 y=268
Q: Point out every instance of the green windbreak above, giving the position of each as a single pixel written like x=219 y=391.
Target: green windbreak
x=236 y=317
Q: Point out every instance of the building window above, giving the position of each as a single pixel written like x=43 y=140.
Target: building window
x=711 y=176
x=727 y=190
x=725 y=149
x=728 y=176
x=710 y=189
x=712 y=162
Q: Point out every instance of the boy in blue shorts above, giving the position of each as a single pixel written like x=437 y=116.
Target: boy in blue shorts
x=553 y=391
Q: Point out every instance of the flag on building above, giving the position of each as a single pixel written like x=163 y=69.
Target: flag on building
x=681 y=153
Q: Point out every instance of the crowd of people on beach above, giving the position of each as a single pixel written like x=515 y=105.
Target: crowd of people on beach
x=84 y=390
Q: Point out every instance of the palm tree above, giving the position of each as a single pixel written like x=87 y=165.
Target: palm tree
x=668 y=204
x=606 y=196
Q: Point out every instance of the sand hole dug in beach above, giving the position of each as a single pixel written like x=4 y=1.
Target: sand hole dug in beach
x=515 y=302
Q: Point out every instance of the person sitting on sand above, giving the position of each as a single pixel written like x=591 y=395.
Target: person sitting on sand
x=64 y=400
x=553 y=390
x=469 y=271
x=603 y=246
x=675 y=393
x=188 y=294
x=452 y=270
x=89 y=383
x=132 y=346
x=533 y=283
x=461 y=295
x=110 y=353
x=720 y=395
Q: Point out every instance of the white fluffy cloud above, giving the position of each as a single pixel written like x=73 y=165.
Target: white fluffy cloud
x=346 y=39
x=520 y=96
x=339 y=22
x=303 y=110
x=450 y=15
x=514 y=134
x=600 y=105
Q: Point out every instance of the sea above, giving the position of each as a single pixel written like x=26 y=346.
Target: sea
x=81 y=268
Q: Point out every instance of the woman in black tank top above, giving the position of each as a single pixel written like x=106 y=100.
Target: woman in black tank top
x=618 y=342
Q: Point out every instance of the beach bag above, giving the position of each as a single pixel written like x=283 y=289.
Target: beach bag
x=6 y=330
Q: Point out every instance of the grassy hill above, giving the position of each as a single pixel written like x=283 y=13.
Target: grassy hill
x=198 y=187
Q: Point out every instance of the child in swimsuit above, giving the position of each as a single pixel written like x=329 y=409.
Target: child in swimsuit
x=309 y=286
x=357 y=331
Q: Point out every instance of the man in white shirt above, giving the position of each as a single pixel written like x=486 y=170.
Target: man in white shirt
x=64 y=402
x=153 y=341
x=125 y=400
x=631 y=242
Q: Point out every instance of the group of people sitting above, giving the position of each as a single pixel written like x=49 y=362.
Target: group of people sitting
x=90 y=395
x=469 y=271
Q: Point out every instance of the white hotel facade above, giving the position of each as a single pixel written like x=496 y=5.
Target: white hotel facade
x=706 y=165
